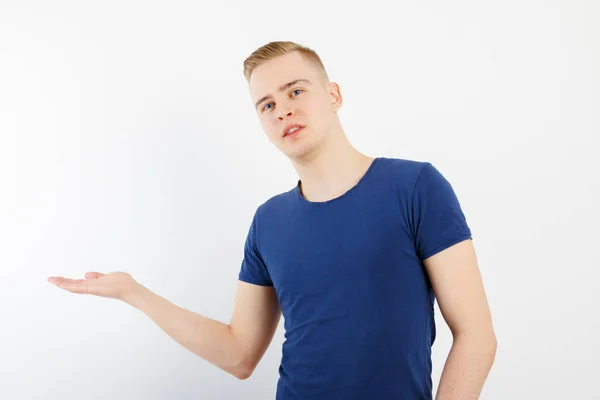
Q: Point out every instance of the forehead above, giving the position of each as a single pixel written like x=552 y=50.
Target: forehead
x=267 y=77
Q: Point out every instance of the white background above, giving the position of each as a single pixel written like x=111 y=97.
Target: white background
x=128 y=142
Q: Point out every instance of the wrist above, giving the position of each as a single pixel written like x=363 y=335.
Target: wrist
x=134 y=295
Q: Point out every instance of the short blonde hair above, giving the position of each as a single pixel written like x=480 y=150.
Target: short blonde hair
x=275 y=49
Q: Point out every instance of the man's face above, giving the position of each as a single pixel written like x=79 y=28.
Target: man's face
x=289 y=91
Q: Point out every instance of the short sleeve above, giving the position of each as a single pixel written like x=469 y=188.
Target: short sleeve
x=438 y=221
x=253 y=269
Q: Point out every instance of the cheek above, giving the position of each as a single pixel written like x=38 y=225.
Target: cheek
x=320 y=112
x=270 y=126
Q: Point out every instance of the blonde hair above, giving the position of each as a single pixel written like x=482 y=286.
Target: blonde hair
x=275 y=49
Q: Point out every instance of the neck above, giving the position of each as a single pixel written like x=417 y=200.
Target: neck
x=332 y=169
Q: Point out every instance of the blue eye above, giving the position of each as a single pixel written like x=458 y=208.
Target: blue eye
x=265 y=106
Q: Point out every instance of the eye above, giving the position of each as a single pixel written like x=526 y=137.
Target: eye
x=297 y=90
x=265 y=107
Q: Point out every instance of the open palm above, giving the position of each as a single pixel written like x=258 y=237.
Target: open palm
x=114 y=285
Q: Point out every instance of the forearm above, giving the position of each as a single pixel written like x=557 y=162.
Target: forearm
x=209 y=339
x=467 y=367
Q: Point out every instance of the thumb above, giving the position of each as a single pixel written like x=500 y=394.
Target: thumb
x=93 y=275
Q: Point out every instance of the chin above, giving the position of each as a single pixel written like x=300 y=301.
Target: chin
x=301 y=151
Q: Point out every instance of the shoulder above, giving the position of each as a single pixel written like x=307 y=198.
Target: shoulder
x=403 y=173
x=276 y=205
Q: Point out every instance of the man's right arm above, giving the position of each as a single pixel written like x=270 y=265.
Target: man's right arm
x=236 y=347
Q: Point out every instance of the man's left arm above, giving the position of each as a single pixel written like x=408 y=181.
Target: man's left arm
x=458 y=287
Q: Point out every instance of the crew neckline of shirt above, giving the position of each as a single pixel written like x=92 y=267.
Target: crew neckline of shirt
x=348 y=193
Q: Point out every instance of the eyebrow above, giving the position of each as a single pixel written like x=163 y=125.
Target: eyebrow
x=281 y=89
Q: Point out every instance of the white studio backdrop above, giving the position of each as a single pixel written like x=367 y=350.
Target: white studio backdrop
x=128 y=142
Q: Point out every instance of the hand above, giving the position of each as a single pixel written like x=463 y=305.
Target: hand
x=116 y=285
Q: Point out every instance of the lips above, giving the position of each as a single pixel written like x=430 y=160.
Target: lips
x=286 y=130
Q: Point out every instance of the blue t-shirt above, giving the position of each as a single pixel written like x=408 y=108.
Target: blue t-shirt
x=356 y=300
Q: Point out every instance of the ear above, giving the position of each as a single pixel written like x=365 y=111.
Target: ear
x=335 y=95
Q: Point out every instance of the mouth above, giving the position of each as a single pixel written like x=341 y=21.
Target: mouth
x=292 y=130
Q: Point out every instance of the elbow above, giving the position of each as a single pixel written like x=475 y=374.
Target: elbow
x=494 y=347
x=244 y=376
x=484 y=342
x=490 y=348
x=243 y=368
x=491 y=343
x=486 y=349
x=490 y=352
x=243 y=371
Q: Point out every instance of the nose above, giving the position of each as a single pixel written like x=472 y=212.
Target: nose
x=284 y=114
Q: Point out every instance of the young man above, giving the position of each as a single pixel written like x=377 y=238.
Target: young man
x=353 y=256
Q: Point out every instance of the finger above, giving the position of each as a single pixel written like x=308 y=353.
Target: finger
x=67 y=280
x=71 y=285
x=55 y=279
x=93 y=275
x=78 y=287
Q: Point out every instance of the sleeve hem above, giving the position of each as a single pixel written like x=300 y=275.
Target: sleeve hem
x=447 y=244
x=255 y=281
